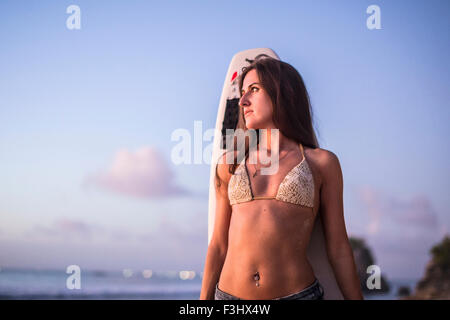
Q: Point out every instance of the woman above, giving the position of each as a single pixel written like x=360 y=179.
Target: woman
x=264 y=221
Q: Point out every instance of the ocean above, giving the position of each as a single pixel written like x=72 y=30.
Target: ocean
x=122 y=285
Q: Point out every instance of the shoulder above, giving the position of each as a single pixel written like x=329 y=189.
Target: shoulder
x=325 y=162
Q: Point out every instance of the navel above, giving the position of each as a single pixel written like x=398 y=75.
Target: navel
x=256 y=278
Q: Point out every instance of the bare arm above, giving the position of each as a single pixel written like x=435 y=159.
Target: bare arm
x=218 y=246
x=339 y=250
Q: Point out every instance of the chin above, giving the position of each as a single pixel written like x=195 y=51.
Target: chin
x=251 y=125
x=255 y=125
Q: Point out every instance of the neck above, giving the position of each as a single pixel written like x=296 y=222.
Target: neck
x=274 y=141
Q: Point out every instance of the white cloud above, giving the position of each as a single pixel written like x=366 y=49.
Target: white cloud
x=143 y=173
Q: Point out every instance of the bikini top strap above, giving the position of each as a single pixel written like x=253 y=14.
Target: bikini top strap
x=301 y=149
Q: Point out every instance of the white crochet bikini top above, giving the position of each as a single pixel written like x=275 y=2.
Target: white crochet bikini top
x=297 y=186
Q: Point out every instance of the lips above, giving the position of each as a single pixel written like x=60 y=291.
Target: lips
x=247 y=112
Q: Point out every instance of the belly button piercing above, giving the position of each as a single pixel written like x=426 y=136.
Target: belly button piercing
x=256 y=278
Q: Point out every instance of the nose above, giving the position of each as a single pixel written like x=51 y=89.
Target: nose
x=244 y=102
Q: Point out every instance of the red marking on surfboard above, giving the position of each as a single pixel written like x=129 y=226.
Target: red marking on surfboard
x=234 y=76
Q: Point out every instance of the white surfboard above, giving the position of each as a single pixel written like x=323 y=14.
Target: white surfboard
x=226 y=119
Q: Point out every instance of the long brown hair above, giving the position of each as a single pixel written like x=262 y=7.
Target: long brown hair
x=292 y=111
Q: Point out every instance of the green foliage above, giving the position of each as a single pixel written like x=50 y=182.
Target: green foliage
x=441 y=253
x=357 y=243
x=360 y=245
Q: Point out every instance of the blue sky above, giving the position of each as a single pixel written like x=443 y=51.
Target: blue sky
x=77 y=105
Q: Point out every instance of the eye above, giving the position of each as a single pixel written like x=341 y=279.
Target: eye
x=257 y=89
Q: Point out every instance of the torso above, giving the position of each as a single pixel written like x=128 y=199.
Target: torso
x=270 y=237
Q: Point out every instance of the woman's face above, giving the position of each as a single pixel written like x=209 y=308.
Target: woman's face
x=255 y=103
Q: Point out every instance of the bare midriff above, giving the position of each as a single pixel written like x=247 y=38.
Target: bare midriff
x=270 y=238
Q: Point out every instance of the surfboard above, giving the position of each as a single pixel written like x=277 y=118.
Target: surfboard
x=227 y=117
